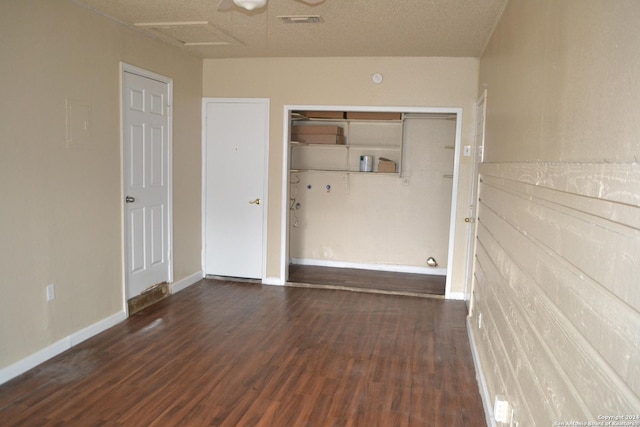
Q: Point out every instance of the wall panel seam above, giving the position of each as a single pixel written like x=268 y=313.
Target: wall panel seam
x=624 y=216
x=616 y=182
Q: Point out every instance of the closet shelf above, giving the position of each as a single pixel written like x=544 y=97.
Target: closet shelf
x=378 y=138
x=344 y=171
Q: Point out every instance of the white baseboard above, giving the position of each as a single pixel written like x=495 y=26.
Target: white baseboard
x=274 y=281
x=375 y=267
x=58 y=347
x=104 y=324
x=482 y=382
x=186 y=282
x=455 y=296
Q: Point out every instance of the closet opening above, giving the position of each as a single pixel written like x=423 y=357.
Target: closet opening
x=370 y=193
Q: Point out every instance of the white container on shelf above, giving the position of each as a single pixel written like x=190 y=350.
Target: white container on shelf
x=366 y=163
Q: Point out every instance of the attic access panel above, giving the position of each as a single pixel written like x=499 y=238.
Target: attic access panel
x=188 y=33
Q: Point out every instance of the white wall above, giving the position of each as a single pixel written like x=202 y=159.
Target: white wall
x=558 y=254
x=60 y=221
x=416 y=82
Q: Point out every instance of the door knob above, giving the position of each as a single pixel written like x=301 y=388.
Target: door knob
x=129 y=199
x=255 y=202
x=468 y=220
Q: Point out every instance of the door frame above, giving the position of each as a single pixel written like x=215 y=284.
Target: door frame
x=284 y=242
x=478 y=158
x=132 y=69
x=265 y=177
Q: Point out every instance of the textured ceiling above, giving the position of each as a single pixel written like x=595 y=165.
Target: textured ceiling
x=349 y=27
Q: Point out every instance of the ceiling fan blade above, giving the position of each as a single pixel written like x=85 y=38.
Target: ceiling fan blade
x=311 y=2
x=225 y=5
x=248 y=5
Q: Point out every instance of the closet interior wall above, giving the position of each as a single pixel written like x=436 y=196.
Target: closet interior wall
x=342 y=217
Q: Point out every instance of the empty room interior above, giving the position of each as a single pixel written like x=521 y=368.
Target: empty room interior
x=320 y=212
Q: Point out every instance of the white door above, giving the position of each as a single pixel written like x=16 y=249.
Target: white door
x=473 y=199
x=236 y=140
x=146 y=181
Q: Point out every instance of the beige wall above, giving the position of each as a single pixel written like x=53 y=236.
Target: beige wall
x=420 y=82
x=60 y=220
x=563 y=82
x=558 y=254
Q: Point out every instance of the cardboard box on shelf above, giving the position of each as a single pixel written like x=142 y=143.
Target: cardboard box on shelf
x=366 y=115
x=317 y=130
x=386 y=166
x=323 y=114
x=318 y=138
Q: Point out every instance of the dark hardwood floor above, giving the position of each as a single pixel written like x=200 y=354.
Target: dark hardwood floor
x=235 y=354
x=367 y=280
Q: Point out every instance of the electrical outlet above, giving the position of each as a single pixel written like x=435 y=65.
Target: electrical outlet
x=51 y=292
x=501 y=411
x=467 y=150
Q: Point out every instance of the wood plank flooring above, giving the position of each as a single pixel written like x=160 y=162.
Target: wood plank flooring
x=221 y=353
x=368 y=280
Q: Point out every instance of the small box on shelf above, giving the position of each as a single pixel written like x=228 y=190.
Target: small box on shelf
x=323 y=114
x=365 y=115
x=386 y=166
x=317 y=130
x=319 y=139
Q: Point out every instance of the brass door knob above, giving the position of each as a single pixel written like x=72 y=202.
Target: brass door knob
x=255 y=202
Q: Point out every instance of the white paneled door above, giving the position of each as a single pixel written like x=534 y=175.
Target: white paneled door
x=236 y=139
x=146 y=104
